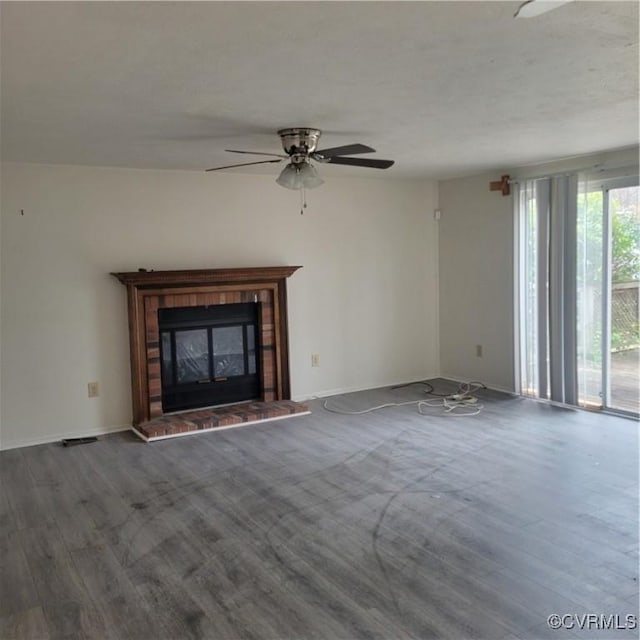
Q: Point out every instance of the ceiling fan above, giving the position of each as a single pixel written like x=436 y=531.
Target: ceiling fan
x=300 y=147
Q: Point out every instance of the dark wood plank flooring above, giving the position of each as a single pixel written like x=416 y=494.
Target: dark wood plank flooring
x=384 y=525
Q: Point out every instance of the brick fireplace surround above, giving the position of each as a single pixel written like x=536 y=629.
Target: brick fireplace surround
x=148 y=291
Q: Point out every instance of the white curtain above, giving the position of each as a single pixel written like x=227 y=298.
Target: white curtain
x=547 y=215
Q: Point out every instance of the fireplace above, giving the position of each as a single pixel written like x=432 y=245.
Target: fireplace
x=208 y=355
x=206 y=337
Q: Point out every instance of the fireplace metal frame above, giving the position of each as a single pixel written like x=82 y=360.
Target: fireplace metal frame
x=210 y=388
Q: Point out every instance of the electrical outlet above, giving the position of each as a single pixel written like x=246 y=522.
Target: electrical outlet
x=93 y=390
x=315 y=359
x=478 y=351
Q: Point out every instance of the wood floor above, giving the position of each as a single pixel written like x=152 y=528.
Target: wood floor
x=384 y=525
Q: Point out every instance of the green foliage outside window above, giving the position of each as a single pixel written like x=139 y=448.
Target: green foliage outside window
x=624 y=214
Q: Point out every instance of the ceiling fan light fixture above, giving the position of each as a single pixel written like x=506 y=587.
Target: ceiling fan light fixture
x=309 y=175
x=288 y=178
x=301 y=175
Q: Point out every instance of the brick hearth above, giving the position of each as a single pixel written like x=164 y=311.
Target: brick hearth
x=169 y=426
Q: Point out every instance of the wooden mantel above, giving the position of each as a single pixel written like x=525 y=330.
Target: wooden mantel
x=148 y=291
x=144 y=278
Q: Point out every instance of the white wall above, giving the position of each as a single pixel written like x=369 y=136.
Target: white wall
x=476 y=281
x=365 y=299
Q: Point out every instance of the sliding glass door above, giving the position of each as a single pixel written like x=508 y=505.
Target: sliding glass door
x=579 y=254
x=621 y=372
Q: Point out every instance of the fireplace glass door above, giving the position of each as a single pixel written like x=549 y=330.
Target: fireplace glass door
x=208 y=355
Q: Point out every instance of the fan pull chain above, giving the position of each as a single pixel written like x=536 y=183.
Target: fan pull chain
x=303 y=200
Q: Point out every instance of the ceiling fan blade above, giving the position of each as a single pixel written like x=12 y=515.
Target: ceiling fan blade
x=257 y=153
x=346 y=150
x=243 y=164
x=362 y=162
x=534 y=8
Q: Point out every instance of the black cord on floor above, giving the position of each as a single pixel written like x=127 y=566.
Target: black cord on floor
x=430 y=389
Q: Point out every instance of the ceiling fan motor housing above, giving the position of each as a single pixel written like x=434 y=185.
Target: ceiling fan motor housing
x=299 y=142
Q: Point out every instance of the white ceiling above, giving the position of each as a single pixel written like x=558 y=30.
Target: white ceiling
x=444 y=88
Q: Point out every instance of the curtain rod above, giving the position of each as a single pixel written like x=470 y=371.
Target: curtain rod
x=599 y=167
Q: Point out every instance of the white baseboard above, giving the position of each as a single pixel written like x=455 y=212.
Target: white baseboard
x=326 y=393
x=489 y=385
x=88 y=433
